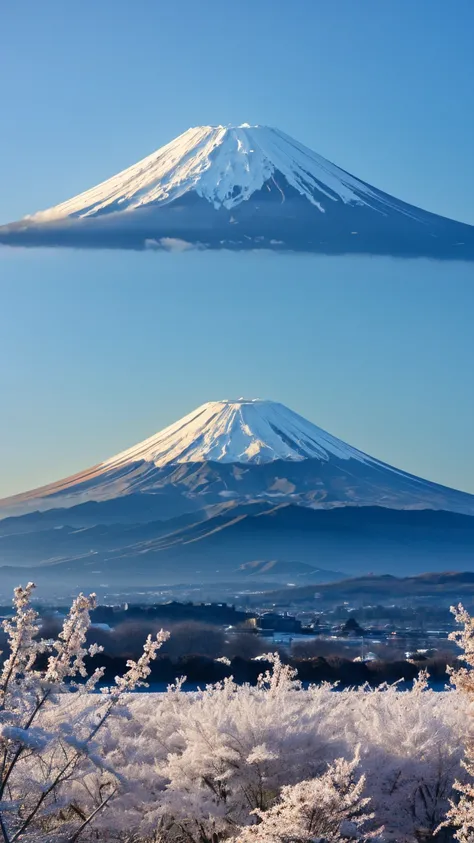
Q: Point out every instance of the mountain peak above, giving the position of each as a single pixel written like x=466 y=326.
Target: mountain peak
x=239 y=401
x=242 y=430
x=231 y=126
x=224 y=165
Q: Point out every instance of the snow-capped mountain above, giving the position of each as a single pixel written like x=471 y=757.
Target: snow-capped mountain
x=242 y=450
x=234 y=487
x=226 y=166
x=242 y=187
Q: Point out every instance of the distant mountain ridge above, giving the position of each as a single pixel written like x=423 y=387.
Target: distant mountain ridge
x=444 y=587
x=237 y=541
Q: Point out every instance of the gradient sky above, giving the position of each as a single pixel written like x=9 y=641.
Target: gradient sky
x=99 y=350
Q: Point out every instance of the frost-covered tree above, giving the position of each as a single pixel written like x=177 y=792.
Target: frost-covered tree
x=330 y=808
x=202 y=763
x=54 y=776
x=461 y=813
x=410 y=752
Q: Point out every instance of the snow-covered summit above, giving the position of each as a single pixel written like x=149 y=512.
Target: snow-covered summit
x=224 y=165
x=243 y=430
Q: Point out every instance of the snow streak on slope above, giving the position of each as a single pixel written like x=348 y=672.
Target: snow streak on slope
x=241 y=431
x=224 y=165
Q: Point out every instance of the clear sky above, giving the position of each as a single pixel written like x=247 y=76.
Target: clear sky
x=98 y=350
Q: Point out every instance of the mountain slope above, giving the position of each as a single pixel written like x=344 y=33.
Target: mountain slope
x=243 y=187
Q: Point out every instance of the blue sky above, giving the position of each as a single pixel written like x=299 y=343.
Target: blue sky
x=98 y=350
